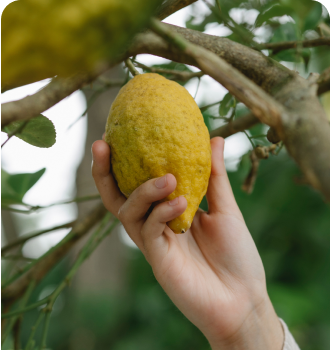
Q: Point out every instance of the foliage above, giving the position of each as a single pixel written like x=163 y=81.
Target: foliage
x=38 y=131
x=289 y=221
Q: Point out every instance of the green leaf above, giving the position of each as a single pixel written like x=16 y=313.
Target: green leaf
x=38 y=131
x=286 y=32
x=206 y=116
x=15 y=186
x=8 y=195
x=314 y=17
x=301 y=7
x=275 y=11
x=225 y=105
x=290 y=55
x=211 y=18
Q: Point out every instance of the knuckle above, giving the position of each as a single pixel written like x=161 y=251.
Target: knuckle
x=121 y=213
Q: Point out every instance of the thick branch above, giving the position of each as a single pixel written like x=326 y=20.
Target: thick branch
x=264 y=71
x=45 y=263
x=277 y=47
x=169 y=7
x=302 y=124
x=258 y=101
x=47 y=97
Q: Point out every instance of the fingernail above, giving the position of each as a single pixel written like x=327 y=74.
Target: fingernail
x=92 y=154
x=161 y=182
x=174 y=201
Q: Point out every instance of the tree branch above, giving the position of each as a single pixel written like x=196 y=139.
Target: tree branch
x=48 y=260
x=323 y=82
x=277 y=47
x=25 y=238
x=258 y=101
x=168 y=7
x=264 y=71
x=305 y=117
x=241 y=124
x=177 y=74
x=54 y=92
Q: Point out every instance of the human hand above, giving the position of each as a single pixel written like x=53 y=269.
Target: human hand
x=213 y=272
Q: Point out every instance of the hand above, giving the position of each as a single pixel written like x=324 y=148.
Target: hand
x=213 y=272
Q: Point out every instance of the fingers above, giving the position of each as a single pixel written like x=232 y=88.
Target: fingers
x=139 y=202
x=105 y=183
x=219 y=195
x=152 y=231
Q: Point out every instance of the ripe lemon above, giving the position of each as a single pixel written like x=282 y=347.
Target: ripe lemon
x=155 y=127
x=41 y=39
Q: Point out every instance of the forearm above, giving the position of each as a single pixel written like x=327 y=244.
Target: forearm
x=261 y=330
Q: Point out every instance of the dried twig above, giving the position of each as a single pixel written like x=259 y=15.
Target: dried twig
x=250 y=180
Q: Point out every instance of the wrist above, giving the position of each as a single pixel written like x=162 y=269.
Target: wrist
x=260 y=330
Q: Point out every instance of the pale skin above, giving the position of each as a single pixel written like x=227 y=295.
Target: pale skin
x=213 y=273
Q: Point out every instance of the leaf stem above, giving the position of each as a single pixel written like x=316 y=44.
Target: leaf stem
x=129 y=64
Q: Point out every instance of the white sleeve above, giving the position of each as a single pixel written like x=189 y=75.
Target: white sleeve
x=289 y=342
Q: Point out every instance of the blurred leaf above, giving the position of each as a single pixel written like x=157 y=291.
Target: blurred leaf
x=38 y=131
x=275 y=11
x=314 y=17
x=173 y=65
x=288 y=56
x=211 y=18
x=306 y=56
x=15 y=186
x=227 y=103
x=301 y=7
x=206 y=115
x=286 y=32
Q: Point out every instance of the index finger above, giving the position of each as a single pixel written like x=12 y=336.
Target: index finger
x=105 y=183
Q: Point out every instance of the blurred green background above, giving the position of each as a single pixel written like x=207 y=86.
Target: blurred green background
x=288 y=220
x=290 y=225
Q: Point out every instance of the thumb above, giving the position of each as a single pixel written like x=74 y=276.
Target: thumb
x=219 y=194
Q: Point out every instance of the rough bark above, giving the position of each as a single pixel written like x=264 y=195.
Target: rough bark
x=304 y=130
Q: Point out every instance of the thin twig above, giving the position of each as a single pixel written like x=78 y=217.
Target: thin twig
x=204 y=108
x=16 y=131
x=129 y=64
x=177 y=74
x=88 y=248
x=37 y=207
x=168 y=7
x=17 y=333
x=22 y=303
x=25 y=238
x=285 y=45
x=27 y=308
x=30 y=343
x=37 y=269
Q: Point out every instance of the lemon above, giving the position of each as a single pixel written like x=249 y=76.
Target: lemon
x=41 y=39
x=155 y=127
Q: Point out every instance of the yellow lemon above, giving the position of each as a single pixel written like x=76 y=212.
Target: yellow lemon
x=155 y=127
x=41 y=39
